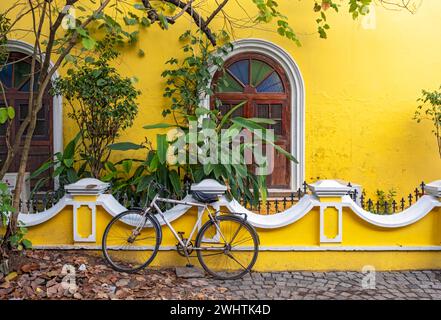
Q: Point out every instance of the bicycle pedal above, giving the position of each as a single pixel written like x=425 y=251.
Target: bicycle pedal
x=188 y=265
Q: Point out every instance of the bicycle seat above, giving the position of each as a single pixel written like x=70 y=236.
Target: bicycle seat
x=204 y=197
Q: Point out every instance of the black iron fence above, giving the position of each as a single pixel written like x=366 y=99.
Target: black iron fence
x=40 y=201
x=389 y=205
x=274 y=204
x=277 y=203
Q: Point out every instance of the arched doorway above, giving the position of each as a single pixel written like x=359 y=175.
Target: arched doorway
x=15 y=77
x=297 y=100
x=260 y=81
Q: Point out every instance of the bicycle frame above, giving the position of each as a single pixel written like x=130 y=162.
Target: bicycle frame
x=195 y=227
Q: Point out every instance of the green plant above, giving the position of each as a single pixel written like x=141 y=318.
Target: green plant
x=234 y=171
x=384 y=201
x=135 y=182
x=17 y=239
x=103 y=103
x=190 y=79
x=430 y=109
x=188 y=84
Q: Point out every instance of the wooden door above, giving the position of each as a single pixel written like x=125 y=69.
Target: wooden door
x=263 y=84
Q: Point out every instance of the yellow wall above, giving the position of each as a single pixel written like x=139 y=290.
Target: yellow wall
x=361 y=90
x=277 y=245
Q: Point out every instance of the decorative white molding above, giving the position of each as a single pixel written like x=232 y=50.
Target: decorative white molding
x=209 y=186
x=411 y=215
x=92 y=236
x=30 y=220
x=434 y=188
x=414 y=213
x=87 y=186
x=339 y=236
x=329 y=188
x=57 y=121
x=295 y=78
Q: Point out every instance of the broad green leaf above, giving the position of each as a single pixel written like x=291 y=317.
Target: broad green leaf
x=144 y=183
x=127 y=165
x=261 y=133
x=72 y=175
x=3 y=115
x=26 y=243
x=227 y=116
x=69 y=151
x=153 y=166
x=58 y=171
x=262 y=120
x=45 y=166
x=202 y=111
x=88 y=43
x=124 y=146
x=11 y=112
x=175 y=181
x=159 y=126
x=162 y=146
x=68 y=162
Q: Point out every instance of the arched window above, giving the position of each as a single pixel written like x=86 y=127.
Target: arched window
x=15 y=77
x=261 y=82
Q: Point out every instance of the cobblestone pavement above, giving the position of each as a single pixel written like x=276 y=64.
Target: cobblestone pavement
x=39 y=275
x=336 y=285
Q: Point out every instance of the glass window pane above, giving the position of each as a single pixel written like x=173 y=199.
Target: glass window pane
x=27 y=85
x=22 y=71
x=240 y=70
x=259 y=70
x=227 y=107
x=6 y=76
x=41 y=128
x=277 y=127
x=263 y=111
x=228 y=84
x=276 y=111
x=224 y=109
x=23 y=111
x=271 y=84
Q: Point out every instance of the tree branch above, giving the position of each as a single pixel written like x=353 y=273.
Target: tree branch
x=197 y=18
x=215 y=12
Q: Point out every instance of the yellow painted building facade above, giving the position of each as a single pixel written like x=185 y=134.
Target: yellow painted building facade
x=360 y=90
x=360 y=86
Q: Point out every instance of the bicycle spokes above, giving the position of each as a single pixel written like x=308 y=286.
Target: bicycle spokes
x=130 y=241
x=228 y=248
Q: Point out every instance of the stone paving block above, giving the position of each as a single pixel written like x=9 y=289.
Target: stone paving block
x=333 y=285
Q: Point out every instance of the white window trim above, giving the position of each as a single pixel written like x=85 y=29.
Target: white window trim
x=57 y=120
x=297 y=99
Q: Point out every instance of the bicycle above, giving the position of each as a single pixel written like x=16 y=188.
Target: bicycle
x=226 y=246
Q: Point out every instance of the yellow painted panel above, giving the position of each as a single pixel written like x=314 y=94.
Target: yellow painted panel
x=426 y=231
x=331 y=222
x=84 y=221
x=56 y=231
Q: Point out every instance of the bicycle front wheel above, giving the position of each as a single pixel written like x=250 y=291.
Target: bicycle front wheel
x=131 y=241
x=227 y=248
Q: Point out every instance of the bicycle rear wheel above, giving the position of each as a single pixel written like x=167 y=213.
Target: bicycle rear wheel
x=131 y=241
x=227 y=248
